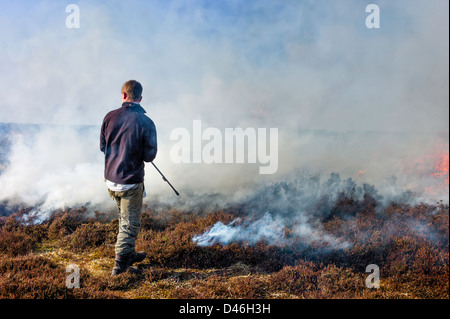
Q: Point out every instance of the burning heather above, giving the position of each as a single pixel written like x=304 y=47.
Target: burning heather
x=292 y=212
x=433 y=168
x=228 y=255
x=441 y=169
x=251 y=231
x=307 y=140
x=266 y=229
x=306 y=235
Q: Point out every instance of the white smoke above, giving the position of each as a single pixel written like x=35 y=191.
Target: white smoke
x=54 y=167
x=272 y=230
x=344 y=98
x=264 y=228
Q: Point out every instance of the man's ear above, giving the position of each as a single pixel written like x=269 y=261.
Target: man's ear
x=140 y=99
x=124 y=96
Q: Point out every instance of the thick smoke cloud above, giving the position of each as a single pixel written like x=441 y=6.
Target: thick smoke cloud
x=364 y=103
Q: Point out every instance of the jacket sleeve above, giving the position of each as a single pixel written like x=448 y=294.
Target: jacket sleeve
x=150 y=142
x=102 y=137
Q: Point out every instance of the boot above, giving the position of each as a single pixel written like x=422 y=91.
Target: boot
x=120 y=266
x=136 y=257
x=123 y=262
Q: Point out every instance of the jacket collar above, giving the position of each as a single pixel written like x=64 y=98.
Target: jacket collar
x=134 y=106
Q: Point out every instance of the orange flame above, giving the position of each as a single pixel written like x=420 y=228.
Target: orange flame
x=433 y=168
x=440 y=172
x=441 y=168
x=360 y=173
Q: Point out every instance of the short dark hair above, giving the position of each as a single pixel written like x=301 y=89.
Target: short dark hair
x=133 y=89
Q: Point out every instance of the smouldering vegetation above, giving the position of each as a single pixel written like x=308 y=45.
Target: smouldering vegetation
x=410 y=244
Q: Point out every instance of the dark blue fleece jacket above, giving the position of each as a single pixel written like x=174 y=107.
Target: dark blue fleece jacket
x=128 y=139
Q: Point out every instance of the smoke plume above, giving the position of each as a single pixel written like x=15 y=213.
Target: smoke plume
x=366 y=104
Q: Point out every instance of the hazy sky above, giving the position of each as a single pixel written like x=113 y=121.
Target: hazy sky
x=300 y=64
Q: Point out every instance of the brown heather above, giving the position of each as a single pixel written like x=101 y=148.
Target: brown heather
x=408 y=243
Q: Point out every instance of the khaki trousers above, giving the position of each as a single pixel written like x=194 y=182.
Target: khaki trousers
x=129 y=204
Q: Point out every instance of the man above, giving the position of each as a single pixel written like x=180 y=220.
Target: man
x=128 y=139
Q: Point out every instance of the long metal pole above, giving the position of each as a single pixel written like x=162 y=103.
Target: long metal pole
x=165 y=179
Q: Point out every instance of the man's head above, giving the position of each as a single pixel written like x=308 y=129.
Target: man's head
x=131 y=91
